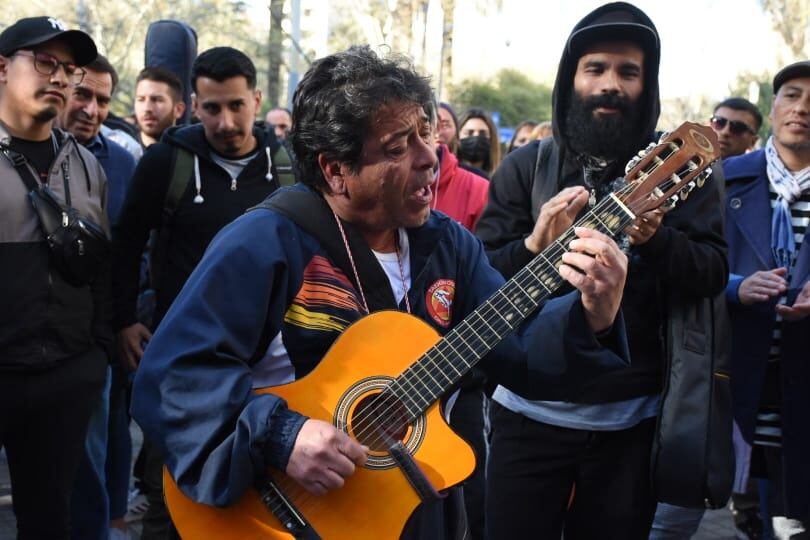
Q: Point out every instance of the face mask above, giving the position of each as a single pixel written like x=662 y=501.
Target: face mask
x=474 y=149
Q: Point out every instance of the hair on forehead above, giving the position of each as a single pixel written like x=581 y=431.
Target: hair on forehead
x=102 y=65
x=338 y=98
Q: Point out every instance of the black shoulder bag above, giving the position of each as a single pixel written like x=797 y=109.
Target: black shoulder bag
x=77 y=244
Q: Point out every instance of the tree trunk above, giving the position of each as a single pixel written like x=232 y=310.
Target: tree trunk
x=446 y=68
x=274 y=53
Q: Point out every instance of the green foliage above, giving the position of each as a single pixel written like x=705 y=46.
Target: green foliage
x=119 y=30
x=511 y=93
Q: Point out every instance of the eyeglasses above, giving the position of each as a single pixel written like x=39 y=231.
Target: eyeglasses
x=45 y=64
x=735 y=126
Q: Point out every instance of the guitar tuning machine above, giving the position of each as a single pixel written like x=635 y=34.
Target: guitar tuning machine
x=703 y=176
x=635 y=160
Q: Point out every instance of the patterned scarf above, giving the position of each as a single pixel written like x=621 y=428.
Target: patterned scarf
x=788 y=187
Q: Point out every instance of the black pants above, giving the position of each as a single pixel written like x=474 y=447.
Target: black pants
x=534 y=468
x=468 y=420
x=43 y=424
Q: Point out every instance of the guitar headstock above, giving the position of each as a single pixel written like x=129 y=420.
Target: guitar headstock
x=668 y=170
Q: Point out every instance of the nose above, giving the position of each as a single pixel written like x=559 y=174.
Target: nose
x=610 y=82
x=60 y=77
x=226 y=120
x=426 y=155
x=91 y=109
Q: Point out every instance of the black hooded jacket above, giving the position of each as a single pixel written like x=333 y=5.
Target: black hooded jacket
x=687 y=255
x=192 y=226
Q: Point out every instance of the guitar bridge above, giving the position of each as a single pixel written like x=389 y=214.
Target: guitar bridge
x=285 y=511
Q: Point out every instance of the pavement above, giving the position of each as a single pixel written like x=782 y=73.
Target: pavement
x=716 y=524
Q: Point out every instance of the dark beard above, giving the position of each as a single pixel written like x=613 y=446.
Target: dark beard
x=46 y=115
x=610 y=136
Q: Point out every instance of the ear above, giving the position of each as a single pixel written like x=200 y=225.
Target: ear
x=179 y=109
x=257 y=96
x=4 y=63
x=194 y=104
x=333 y=173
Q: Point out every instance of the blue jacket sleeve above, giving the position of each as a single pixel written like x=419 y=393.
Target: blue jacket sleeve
x=554 y=351
x=192 y=394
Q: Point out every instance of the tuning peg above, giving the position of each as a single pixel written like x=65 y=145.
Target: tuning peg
x=703 y=176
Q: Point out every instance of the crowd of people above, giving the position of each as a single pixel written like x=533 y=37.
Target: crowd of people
x=232 y=252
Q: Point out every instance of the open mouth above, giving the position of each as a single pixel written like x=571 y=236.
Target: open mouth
x=424 y=195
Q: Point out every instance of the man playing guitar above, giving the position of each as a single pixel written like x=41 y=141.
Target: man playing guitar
x=273 y=294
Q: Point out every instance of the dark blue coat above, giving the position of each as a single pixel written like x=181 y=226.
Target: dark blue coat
x=748 y=232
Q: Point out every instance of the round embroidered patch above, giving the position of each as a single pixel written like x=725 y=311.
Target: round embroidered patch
x=439 y=301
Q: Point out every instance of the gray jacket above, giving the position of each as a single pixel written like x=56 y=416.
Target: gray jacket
x=43 y=319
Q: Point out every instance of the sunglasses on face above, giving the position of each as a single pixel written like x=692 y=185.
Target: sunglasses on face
x=45 y=64
x=735 y=126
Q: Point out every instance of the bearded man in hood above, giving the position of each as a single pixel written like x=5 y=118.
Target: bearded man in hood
x=582 y=465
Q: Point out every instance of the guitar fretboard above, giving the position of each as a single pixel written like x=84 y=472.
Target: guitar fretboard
x=445 y=363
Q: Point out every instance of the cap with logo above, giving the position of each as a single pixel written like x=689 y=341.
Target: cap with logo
x=793 y=71
x=33 y=31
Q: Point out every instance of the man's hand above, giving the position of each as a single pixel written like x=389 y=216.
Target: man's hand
x=800 y=308
x=598 y=268
x=762 y=286
x=644 y=226
x=130 y=341
x=323 y=457
x=555 y=217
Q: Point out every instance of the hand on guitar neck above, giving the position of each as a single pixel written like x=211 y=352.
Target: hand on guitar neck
x=323 y=457
x=556 y=216
x=598 y=268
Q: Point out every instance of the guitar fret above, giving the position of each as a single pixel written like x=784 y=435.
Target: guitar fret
x=478 y=335
x=449 y=362
x=540 y=281
x=497 y=335
x=506 y=320
x=511 y=303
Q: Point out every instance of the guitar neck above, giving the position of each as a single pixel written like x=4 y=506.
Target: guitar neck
x=419 y=386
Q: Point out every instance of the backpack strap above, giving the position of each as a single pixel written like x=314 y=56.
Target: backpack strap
x=311 y=213
x=182 y=169
x=283 y=163
x=547 y=161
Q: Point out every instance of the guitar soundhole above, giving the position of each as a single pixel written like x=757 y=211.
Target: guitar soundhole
x=379 y=421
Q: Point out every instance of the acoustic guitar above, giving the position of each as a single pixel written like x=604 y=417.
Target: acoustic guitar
x=391 y=404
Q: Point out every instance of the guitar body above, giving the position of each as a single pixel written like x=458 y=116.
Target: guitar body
x=377 y=500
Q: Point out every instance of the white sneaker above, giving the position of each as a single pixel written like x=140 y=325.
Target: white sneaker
x=784 y=528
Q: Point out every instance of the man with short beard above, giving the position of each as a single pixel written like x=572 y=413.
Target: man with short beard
x=229 y=168
x=583 y=464
x=55 y=335
x=158 y=103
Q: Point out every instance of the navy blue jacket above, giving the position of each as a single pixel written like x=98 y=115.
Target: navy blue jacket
x=263 y=276
x=118 y=165
x=748 y=231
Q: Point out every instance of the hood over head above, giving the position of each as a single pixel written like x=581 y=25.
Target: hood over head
x=617 y=21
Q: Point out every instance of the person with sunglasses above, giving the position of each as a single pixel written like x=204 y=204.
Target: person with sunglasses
x=55 y=335
x=736 y=122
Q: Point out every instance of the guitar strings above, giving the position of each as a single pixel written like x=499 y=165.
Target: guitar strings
x=501 y=301
x=609 y=204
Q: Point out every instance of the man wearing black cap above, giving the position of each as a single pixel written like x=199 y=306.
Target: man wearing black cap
x=54 y=336
x=767 y=214
x=583 y=465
